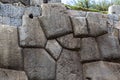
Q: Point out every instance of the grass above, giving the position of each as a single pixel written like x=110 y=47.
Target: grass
x=90 y=5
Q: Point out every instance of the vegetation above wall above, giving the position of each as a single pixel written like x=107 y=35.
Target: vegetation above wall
x=90 y=5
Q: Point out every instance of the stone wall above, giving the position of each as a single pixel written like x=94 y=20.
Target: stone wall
x=55 y=43
x=30 y=2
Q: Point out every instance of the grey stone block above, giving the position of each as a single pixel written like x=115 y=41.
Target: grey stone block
x=114 y=9
x=54 y=1
x=39 y=2
x=97 y=24
x=35 y=11
x=54 y=48
x=6 y=74
x=8 y=10
x=36 y=2
x=109 y=47
x=4 y=20
x=39 y=65
x=101 y=71
x=80 y=26
x=69 y=42
x=15 y=22
x=55 y=22
x=31 y=33
x=69 y=66
x=10 y=21
x=75 y=13
x=89 y=50
x=25 y=2
x=10 y=52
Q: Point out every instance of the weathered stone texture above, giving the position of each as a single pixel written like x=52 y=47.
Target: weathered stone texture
x=69 y=42
x=75 y=13
x=54 y=48
x=25 y=2
x=80 y=26
x=10 y=52
x=89 y=50
x=36 y=2
x=113 y=21
x=69 y=66
x=10 y=21
x=38 y=64
x=101 y=71
x=114 y=9
x=55 y=22
x=54 y=1
x=97 y=24
x=117 y=25
x=31 y=33
x=8 y=10
x=119 y=36
x=12 y=15
x=6 y=74
x=39 y=2
x=35 y=11
x=115 y=32
x=109 y=46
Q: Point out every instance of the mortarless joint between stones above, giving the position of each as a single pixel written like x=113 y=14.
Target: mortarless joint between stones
x=51 y=42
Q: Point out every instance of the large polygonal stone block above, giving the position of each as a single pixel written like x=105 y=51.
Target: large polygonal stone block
x=89 y=50
x=6 y=74
x=10 y=52
x=109 y=46
x=70 y=42
x=80 y=26
x=54 y=48
x=38 y=64
x=69 y=66
x=101 y=71
x=97 y=23
x=31 y=33
x=55 y=22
